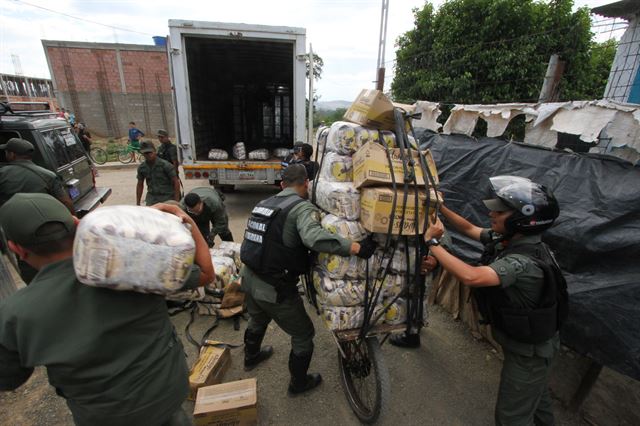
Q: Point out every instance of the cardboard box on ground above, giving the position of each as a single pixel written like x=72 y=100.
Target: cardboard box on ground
x=233 y=403
x=209 y=369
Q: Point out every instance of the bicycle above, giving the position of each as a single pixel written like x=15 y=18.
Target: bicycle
x=98 y=155
x=129 y=154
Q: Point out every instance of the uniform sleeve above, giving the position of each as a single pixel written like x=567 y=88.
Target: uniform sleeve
x=173 y=153
x=170 y=170
x=219 y=221
x=12 y=373
x=314 y=236
x=141 y=173
x=513 y=267
x=193 y=279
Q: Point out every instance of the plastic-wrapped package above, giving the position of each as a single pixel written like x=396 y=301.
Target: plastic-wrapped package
x=218 y=154
x=397 y=312
x=239 y=151
x=338 y=267
x=133 y=248
x=347 y=317
x=398 y=262
x=259 y=154
x=389 y=138
x=340 y=198
x=342 y=138
x=280 y=152
x=225 y=271
x=349 y=229
x=393 y=285
x=233 y=250
x=337 y=168
x=337 y=292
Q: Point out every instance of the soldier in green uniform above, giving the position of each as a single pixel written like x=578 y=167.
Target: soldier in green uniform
x=162 y=181
x=519 y=291
x=113 y=355
x=22 y=175
x=167 y=151
x=207 y=209
x=275 y=252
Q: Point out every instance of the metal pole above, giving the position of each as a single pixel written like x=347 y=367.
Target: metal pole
x=382 y=44
x=310 y=125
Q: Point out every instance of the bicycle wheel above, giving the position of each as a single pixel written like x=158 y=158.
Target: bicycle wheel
x=124 y=156
x=364 y=377
x=98 y=155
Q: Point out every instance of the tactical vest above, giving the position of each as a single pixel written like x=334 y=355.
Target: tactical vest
x=535 y=325
x=263 y=250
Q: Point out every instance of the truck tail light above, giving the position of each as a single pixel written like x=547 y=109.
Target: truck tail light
x=205 y=174
x=189 y=175
x=197 y=175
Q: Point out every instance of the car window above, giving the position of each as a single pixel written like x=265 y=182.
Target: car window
x=74 y=147
x=56 y=145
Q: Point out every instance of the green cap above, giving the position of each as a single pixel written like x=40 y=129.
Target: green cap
x=19 y=146
x=24 y=214
x=147 y=146
x=163 y=132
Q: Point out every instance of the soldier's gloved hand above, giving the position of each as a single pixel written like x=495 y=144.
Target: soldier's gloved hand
x=367 y=248
x=226 y=236
x=211 y=240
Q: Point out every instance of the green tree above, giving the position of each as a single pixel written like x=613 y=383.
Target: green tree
x=487 y=51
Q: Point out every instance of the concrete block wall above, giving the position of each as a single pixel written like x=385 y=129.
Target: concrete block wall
x=108 y=85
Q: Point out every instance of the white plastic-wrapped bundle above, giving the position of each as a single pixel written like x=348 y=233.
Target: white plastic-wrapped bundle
x=218 y=154
x=232 y=250
x=336 y=168
x=347 y=317
x=342 y=138
x=133 y=248
x=337 y=292
x=259 y=154
x=281 y=152
x=398 y=261
x=340 y=198
x=239 y=151
x=338 y=267
x=397 y=312
x=225 y=270
x=349 y=229
x=393 y=285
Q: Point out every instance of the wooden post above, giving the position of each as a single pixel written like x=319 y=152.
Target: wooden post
x=555 y=69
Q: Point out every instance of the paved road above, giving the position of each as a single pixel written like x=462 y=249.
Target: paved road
x=451 y=380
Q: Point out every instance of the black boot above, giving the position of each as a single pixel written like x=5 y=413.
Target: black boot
x=300 y=380
x=405 y=340
x=253 y=354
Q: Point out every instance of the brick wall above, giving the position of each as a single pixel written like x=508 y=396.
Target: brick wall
x=107 y=85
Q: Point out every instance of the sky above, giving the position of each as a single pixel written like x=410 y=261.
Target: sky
x=343 y=32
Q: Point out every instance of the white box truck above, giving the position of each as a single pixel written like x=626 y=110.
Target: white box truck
x=236 y=83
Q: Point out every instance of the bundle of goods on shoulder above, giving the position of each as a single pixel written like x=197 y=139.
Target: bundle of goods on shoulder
x=355 y=189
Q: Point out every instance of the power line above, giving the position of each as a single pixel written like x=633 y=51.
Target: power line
x=80 y=19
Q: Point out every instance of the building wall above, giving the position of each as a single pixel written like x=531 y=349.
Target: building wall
x=625 y=64
x=108 y=85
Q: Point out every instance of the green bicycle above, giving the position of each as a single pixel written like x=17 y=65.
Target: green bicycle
x=129 y=153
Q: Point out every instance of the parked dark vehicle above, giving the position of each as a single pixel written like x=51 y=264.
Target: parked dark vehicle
x=57 y=148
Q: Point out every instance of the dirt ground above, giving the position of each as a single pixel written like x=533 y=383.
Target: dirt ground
x=452 y=379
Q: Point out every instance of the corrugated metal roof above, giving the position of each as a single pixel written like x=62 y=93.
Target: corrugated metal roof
x=626 y=9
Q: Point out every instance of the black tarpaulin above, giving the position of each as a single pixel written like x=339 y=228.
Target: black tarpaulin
x=596 y=239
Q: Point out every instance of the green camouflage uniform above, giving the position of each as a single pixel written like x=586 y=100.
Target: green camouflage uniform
x=523 y=397
x=159 y=177
x=168 y=152
x=25 y=176
x=301 y=229
x=213 y=212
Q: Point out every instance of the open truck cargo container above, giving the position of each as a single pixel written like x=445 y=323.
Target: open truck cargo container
x=236 y=83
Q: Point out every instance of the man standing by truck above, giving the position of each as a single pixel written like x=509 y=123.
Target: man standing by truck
x=205 y=207
x=167 y=151
x=280 y=232
x=113 y=355
x=162 y=181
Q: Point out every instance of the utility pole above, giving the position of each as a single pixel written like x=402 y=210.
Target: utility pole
x=382 y=45
x=311 y=67
x=555 y=69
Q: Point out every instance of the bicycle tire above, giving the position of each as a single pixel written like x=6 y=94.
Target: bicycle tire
x=124 y=156
x=369 y=411
x=98 y=155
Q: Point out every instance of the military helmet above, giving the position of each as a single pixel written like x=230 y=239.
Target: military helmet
x=535 y=207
